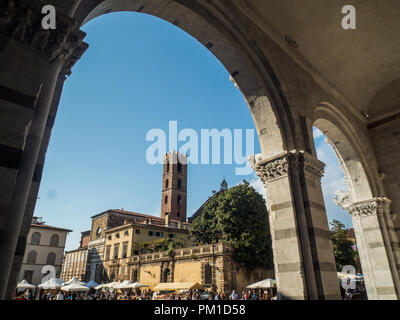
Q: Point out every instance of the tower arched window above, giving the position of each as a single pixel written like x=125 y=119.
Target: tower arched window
x=166 y=183
x=31 y=259
x=167 y=166
x=54 y=240
x=51 y=259
x=179 y=183
x=35 y=238
x=166 y=199
x=179 y=200
x=179 y=167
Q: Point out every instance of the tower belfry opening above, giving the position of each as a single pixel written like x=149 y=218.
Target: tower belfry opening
x=174 y=187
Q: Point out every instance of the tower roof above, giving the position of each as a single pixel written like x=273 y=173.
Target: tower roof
x=224 y=185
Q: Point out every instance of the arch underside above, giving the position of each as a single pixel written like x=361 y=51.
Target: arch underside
x=204 y=22
x=351 y=152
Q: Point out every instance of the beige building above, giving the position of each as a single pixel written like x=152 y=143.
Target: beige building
x=45 y=246
x=210 y=265
x=74 y=262
x=142 y=228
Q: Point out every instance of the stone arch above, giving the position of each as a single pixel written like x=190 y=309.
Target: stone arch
x=367 y=202
x=350 y=149
x=249 y=68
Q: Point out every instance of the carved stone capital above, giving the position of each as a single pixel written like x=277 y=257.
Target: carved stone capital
x=370 y=207
x=22 y=22
x=74 y=57
x=313 y=166
x=271 y=169
x=278 y=166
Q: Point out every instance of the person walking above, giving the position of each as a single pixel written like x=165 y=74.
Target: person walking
x=234 y=295
x=348 y=295
x=60 y=296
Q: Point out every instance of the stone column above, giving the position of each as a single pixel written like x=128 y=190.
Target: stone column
x=31 y=59
x=303 y=255
x=10 y=234
x=34 y=190
x=377 y=243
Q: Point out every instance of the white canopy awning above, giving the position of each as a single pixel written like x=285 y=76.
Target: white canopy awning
x=264 y=284
x=136 y=285
x=122 y=285
x=172 y=286
x=25 y=285
x=74 y=281
x=52 y=283
x=74 y=287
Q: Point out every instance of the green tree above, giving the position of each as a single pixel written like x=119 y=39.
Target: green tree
x=342 y=247
x=237 y=216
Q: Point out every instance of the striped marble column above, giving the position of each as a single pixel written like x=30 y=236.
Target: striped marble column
x=303 y=256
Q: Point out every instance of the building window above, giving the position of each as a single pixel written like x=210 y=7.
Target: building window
x=157 y=234
x=135 y=252
x=122 y=273
x=171 y=235
x=208 y=275
x=126 y=233
x=54 y=240
x=179 y=183
x=151 y=233
x=179 y=200
x=28 y=275
x=178 y=214
x=166 y=184
x=137 y=231
x=166 y=275
x=124 y=249
x=161 y=234
x=109 y=237
x=31 y=259
x=134 y=275
x=98 y=232
x=108 y=252
x=166 y=199
x=116 y=249
x=35 y=238
x=117 y=235
x=179 y=167
x=51 y=259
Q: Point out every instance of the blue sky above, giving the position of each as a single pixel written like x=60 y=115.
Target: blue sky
x=139 y=73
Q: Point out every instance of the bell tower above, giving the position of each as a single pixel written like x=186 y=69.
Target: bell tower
x=174 y=187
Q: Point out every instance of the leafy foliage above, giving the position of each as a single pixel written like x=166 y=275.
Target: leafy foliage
x=342 y=247
x=159 y=245
x=237 y=216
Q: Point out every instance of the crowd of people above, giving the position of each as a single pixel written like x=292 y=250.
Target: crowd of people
x=92 y=294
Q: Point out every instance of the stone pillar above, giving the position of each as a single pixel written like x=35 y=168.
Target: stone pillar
x=11 y=232
x=31 y=59
x=377 y=243
x=303 y=256
x=34 y=190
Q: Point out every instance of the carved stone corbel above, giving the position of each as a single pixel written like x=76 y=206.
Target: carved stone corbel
x=375 y=206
